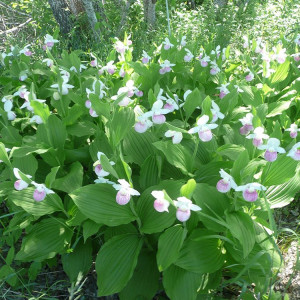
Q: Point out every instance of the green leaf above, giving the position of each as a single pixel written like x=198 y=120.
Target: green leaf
x=193 y=100
x=26 y=150
x=283 y=194
x=45 y=239
x=144 y=282
x=102 y=108
x=40 y=109
x=278 y=108
x=90 y=228
x=107 y=166
x=116 y=262
x=281 y=73
x=176 y=155
x=230 y=150
x=200 y=257
x=24 y=199
x=279 y=171
x=51 y=177
x=80 y=129
x=169 y=245
x=242 y=228
x=3 y=155
x=188 y=189
x=181 y=284
x=206 y=106
x=27 y=164
x=150 y=173
x=121 y=123
x=79 y=261
x=239 y=164
x=56 y=131
x=72 y=181
x=138 y=146
x=98 y=203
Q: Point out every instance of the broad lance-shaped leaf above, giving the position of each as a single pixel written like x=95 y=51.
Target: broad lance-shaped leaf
x=24 y=199
x=79 y=261
x=45 y=239
x=188 y=189
x=181 y=284
x=242 y=228
x=169 y=245
x=56 y=131
x=3 y=155
x=193 y=100
x=116 y=262
x=144 y=282
x=198 y=256
x=281 y=73
x=98 y=203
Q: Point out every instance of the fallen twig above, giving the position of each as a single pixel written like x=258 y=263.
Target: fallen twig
x=15 y=28
x=14 y=10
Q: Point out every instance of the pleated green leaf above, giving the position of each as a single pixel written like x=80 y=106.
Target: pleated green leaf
x=281 y=73
x=98 y=203
x=193 y=100
x=56 y=131
x=144 y=282
x=79 y=261
x=241 y=227
x=283 y=194
x=116 y=262
x=90 y=228
x=231 y=150
x=72 y=181
x=24 y=199
x=27 y=164
x=279 y=171
x=45 y=239
x=181 y=284
x=199 y=256
x=149 y=174
x=169 y=244
x=3 y=155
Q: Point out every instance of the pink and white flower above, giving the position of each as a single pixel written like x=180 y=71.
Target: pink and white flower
x=204 y=61
x=124 y=192
x=171 y=104
x=49 y=62
x=250 y=76
x=93 y=113
x=40 y=192
x=203 y=129
x=145 y=58
x=98 y=166
x=214 y=68
x=120 y=47
x=110 y=67
x=122 y=72
x=175 y=135
x=293 y=130
x=183 y=41
x=280 y=55
x=64 y=87
x=294 y=153
x=20 y=184
x=257 y=136
x=250 y=191
x=49 y=41
x=247 y=124
x=167 y=44
x=36 y=119
x=26 y=51
x=157 y=112
x=216 y=113
x=166 y=67
x=22 y=91
x=23 y=75
x=246 y=42
x=184 y=207
x=189 y=55
x=297 y=40
x=296 y=57
x=160 y=203
x=226 y=183
x=272 y=148
x=223 y=90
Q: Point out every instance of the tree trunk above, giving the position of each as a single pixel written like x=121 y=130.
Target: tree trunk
x=220 y=3
x=149 y=13
x=88 y=5
x=125 y=11
x=62 y=15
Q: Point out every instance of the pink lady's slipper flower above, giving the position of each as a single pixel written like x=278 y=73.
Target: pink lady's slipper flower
x=36 y=119
x=223 y=90
x=110 y=67
x=203 y=129
x=189 y=55
x=64 y=88
x=93 y=113
x=250 y=191
x=246 y=42
x=238 y=89
x=98 y=167
x=142 y=123
x=122 y=72
x=22 y=91
x=226 y=183
x=297 y=40
x=250 y=76
x=20 y=184
x=49 y=62
x=247 y=124
x=26 y=51
x=120 y=47
x=215 y=110
x=296 y=57
x=258 y=49
x=124 y=192
x=94 y=62
x=175 y=135
x=272 y=148
x=293 y=130
x=171 y=104
x=167 y=44
x=214 y=68
x=40 y=192
x=183 y=41
x=88 y=104
x=160 y=203
x=184 y=207
x=98 y=88
x=204 y=61
x=138 y=93
x=145 y=58
x=257 y=136
x=23 y=75
x=280 y=55
x=157 y=112
x=294 y=153
x=49 y=42
x=81 y=67
x=166 y=67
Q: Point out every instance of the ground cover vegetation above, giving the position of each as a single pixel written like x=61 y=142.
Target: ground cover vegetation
x=150 y=153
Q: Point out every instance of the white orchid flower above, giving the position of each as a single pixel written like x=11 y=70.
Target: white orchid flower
x=257 y=136
x=272 y=148
x=40 y=192
x=216 y=113
x=250 y=191
x=167 y=44
x=226 y=183
x=124 y=192
x=20 y=184
x=160 y=203
x=175 y=135
x=293 y=130
x=203 y=129
x=189 y=55
x=184 y=207
x=295 y=152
